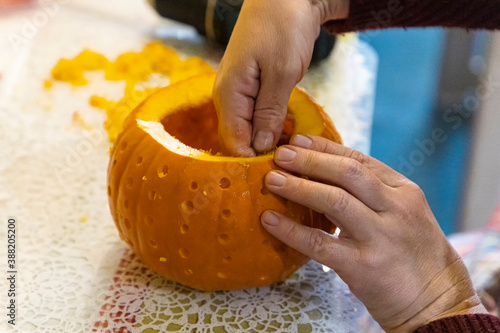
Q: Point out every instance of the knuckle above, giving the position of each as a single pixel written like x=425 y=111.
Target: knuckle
x=271 y=116
x=269 y=113
x=358 y=156
x=415 y=191
x=288 y=68
x=336 y=200
x=323 y=145
x=316 y=242
x=309 y=159
x=413 y=187
x=350 y=169
x=292 y=232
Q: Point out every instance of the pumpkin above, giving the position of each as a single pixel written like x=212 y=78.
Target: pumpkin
x=191 y=213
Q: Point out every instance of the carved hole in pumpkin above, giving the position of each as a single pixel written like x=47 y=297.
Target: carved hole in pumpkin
x=125 y=203
x=188 y=271
x=162 y=171
x=187 y=206
x=263 y=278
x=186 y=126
x=193 y=186
x=184 y=253
x=153 y=244
x=184 y=229
x=149 y=220
x=139 y=160
x=223 y=239
x=264 y=190
x=127 y=223
x=227 y=259
x=114 y=162
x=224 y=183
x=109 y=191
x=123 y=146
x=221 y=275
x=130 y=182
x=226 y=213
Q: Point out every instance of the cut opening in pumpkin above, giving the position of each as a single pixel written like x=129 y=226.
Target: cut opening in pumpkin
x=185 y=125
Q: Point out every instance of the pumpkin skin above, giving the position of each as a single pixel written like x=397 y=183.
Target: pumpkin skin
x=192 y=216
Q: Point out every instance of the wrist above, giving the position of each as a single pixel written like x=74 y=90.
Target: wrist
x=331 y=9
x=470 y=306
x=441 y=310
x=449 y=294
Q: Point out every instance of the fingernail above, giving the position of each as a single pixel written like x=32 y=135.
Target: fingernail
x=275 y=179
x=301 y=141
x=285 y=155
x=263 y=141
x=270 y=218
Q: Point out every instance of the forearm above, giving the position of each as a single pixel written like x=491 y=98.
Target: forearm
x=381 y=14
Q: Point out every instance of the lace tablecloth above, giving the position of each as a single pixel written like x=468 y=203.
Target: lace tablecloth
x=72 y=272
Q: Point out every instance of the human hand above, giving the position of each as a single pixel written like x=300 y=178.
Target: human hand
x=391 y=251
x=268 y=54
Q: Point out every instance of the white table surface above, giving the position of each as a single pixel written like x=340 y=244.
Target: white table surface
x=74 y=274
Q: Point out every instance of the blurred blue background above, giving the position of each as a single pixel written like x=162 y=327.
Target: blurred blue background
x=406 y=110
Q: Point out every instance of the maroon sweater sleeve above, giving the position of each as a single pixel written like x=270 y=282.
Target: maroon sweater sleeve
x=380 y=14
x=473 y=323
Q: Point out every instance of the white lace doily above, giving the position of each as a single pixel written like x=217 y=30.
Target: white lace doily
x=74 y=273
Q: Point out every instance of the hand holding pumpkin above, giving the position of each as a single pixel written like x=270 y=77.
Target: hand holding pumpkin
x=268 y=54
x=390 y=251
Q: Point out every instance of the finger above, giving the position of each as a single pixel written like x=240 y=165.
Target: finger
x=386 y=174
x=271 y=107
x=341 y=171
x=348 y=212
x=314 y=243
x=235 y=134
x=234 y=99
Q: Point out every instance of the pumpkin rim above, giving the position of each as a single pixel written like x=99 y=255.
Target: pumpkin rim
x=149 y=121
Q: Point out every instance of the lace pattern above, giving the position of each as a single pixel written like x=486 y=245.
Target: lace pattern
x=312 y=300
x=74 y=273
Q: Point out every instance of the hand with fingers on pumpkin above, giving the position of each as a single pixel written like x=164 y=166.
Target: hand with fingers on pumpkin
x=268 y=54
x=391 y=251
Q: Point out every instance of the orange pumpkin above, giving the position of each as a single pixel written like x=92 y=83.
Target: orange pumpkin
x=192 y=214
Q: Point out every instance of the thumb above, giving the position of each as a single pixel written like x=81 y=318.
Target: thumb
x=270 y=109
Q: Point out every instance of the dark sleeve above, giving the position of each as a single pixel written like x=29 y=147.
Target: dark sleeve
x=473 y=323
x=380 y=14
